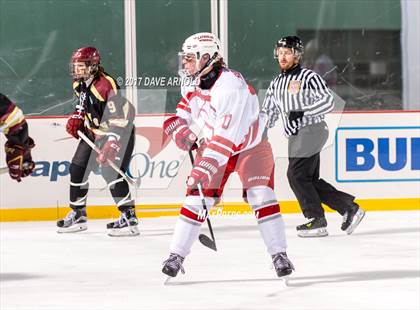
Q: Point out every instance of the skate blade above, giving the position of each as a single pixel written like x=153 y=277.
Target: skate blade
x=131 y=231
x=285 y=280
x=72 y=229
x=358 y=217
x=167 y=281
x=313 y=233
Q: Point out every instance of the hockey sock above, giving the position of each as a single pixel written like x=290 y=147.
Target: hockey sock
x=270 y=222
x=188 y=225
x=119 y=189
x=79 y=186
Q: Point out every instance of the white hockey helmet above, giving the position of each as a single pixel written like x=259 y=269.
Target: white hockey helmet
x=198 y=45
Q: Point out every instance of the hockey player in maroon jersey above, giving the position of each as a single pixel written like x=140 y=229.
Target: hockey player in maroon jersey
x=19 y=144
x=107 y=118
x=226 y=110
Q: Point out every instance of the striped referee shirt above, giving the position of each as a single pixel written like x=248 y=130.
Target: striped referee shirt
x=297 y=89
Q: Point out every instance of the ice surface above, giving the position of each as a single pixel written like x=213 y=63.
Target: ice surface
x=378 y=267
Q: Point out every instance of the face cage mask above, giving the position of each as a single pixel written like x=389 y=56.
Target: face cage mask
x=89 y=71
x=183 y=72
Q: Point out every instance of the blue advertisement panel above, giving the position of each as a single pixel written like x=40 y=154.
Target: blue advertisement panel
x=377 y=154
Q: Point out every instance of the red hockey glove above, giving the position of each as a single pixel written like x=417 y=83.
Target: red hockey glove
x=19 y=159
x=203 y=172
x=177 y=128
x=109 y=150
x=75 y=122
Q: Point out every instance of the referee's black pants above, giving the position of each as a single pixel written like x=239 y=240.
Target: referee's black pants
x=303 y=173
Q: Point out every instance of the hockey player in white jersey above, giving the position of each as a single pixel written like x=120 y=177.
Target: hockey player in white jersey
x=226 y=110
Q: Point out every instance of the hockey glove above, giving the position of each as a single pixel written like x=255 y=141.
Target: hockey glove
x=177 y=128
x=203 y=172
x=19 y=159
x=109 y=150
x=294 y=117
x=76 y=122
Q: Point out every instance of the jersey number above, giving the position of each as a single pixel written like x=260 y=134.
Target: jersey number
x=111 y=107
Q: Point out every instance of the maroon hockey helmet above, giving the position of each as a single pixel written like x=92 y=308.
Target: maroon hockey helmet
x=86 y=54
x=89 y=56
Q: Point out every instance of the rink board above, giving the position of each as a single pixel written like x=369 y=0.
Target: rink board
x=374 y=156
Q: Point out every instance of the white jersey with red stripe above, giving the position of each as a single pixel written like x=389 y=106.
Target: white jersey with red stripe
x=227 y=115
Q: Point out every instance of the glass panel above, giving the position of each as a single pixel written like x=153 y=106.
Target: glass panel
x=354 y=44
x=162 y=27
x=36 y=42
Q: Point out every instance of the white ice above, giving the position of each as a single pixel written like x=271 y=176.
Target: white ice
x=378 y=267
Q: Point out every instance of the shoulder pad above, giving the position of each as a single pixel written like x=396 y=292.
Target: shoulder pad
x=104 y=87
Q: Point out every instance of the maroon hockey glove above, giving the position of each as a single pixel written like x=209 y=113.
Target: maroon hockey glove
x=177 y=128
x=75 y=122
x=109 y=151
x=203 y=172
x=19 y=159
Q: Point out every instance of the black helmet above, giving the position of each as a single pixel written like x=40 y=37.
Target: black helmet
x=291 y=42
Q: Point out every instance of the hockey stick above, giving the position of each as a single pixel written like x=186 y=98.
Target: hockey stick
x=136 y=183
x=205 y=240
x=62 y=139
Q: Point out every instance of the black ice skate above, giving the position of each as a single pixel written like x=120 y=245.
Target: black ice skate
x=352 y=218
x=75 y=220
x=126 y=225
x=316 y=227
x=173 y=265
x=282 y=264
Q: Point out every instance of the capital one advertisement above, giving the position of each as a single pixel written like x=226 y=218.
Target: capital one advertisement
x=367 y=154
x=156 y=162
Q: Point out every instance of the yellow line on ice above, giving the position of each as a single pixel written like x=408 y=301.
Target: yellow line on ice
x=105 y=212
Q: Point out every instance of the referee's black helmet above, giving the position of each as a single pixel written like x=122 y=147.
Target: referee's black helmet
x=291 y=42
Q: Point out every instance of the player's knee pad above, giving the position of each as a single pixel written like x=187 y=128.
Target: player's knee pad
x=193 y=210
x=257 y=195
x=77 y=174
x=263 y=202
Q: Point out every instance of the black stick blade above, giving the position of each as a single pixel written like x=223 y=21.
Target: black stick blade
x=206 y=241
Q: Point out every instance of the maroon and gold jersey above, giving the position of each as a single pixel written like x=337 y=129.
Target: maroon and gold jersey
x=12 y=122
x=108 y=113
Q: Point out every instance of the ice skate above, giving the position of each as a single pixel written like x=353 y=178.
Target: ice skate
x=352 y=218
x=283 y=266
x=75 y=221
x=126 y=225
x=172 y=266
x=316 y=227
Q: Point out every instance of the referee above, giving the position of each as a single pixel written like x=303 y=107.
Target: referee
x=301 y=98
